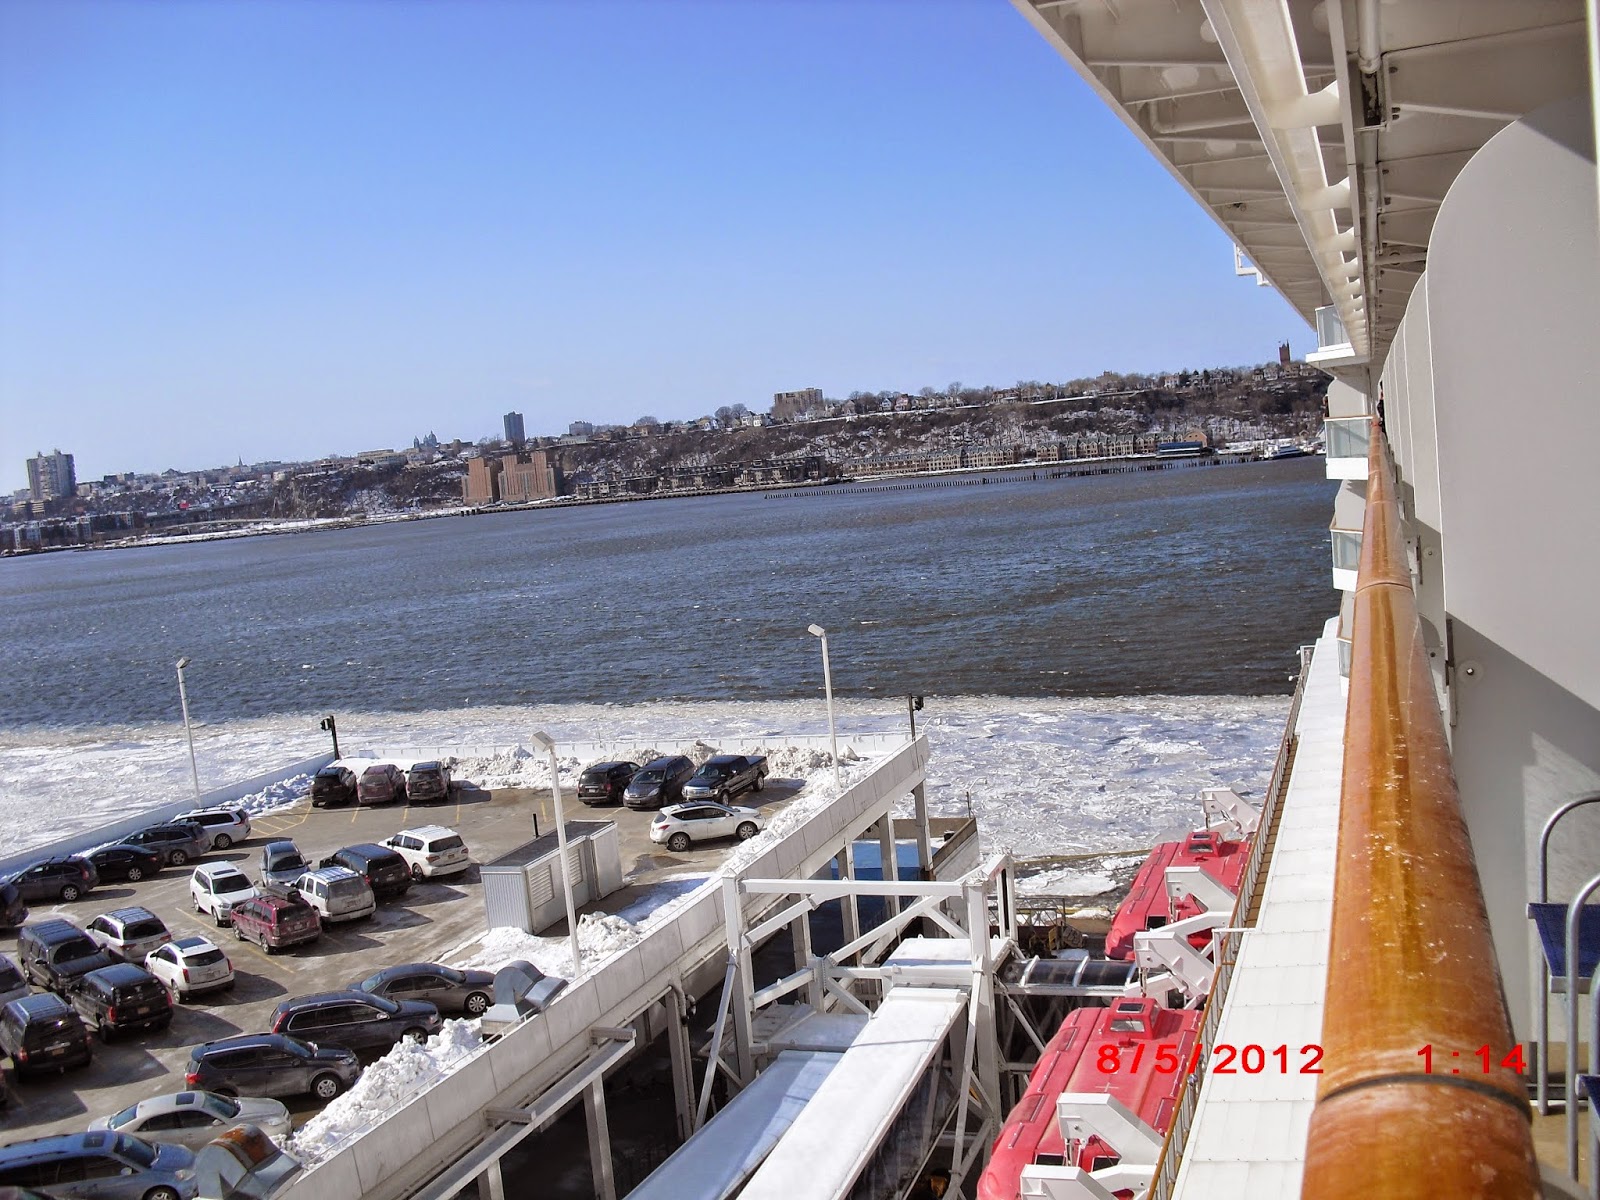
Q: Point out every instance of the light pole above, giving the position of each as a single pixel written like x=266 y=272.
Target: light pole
x=546 y=742
x=183 y=699
x=827 y=682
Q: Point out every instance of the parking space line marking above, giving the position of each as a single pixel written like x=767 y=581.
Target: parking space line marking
x=213 y=933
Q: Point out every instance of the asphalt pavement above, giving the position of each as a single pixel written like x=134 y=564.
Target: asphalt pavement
x=434 y=921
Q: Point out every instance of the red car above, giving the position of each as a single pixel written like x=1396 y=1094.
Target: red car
x=382 y=783
x=275 y=921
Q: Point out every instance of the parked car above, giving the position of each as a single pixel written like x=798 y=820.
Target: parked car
x=215 y=888
x=724 y=776
x=274 y=921
x=128 y=934
x=269 y=1064
x=193 y=1118
x=224 y=826
x=333 y=785
x=102 y=1165
x=282 y=863
x=381 y=783
x=176 y=841
x=338 y=893
x=54 y=953
x=604 y=783
x=386 y=872
x=120 y=999
x=64 y=878
x=430 y=850
x=13 y=911
x=659 y=782
x=12 y=985
x=43 y=1033
x=427 y=781
x=355 y=1020
x=450 y=991
x=190 y=965
x=122 y=861
x=683 y=824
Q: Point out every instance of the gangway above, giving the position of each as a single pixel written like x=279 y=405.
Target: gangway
x=885 y=1096
x=717 y=1161
x=1073 y=974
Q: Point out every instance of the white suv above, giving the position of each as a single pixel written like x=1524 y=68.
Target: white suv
x=224 y=826
x=216 y=887
x=431 y=850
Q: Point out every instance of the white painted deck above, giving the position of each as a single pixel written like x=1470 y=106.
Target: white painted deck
x=1249 y=1135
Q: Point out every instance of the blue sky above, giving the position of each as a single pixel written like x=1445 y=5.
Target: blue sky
x=284 y=229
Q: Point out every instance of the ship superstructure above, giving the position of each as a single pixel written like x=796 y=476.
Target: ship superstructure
x=1417 y=179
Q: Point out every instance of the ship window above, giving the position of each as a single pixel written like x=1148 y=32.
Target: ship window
x=1102 y=1161
x=1155 y=921
x=1127 y=1025
x=1050 y=1160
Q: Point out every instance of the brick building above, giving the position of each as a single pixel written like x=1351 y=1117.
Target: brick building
x=531 y=475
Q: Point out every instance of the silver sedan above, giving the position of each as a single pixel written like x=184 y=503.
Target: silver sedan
x=193 y=1118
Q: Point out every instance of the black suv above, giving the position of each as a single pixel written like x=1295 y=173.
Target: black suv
x=333 y=785
x=659 y=782
x=177 y=841
x=267 y=1064
x=356 y=1020
x=384 y=870
x=63 y=878
x=605 y=782
x=42 y=1033
x=53 y=954
x=427 y=781
x=121 y=998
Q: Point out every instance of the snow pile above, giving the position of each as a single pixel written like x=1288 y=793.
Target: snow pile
x=275 y=795
x=400 y=1075
x=600 y=935
x=794 y=762
x=661 y=900
x=819 y=792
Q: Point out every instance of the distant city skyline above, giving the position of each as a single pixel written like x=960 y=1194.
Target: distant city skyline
x=281 y=231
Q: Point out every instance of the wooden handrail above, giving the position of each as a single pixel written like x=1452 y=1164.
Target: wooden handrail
x=1411 y=961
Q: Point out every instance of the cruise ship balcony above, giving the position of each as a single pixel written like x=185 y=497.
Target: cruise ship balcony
x=1344 y=533
x=1333 y=343
x=1346 y=439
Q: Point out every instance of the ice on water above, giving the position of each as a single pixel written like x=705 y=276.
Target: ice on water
x=1043 y=776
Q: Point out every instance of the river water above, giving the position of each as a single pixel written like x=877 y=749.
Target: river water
x=1093 y=649
x=1189 y=582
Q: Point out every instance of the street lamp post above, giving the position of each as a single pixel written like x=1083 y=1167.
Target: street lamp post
x=183 y=699
x=827 y=683
x=548 y=743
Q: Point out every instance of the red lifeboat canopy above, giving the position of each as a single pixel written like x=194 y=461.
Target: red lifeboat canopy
x=1147 y=906
x=1134 y=1050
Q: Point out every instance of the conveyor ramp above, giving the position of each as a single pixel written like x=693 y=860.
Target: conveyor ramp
x=888 y=1065
x=715 y=1163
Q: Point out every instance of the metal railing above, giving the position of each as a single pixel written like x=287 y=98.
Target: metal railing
x=1408 y=1105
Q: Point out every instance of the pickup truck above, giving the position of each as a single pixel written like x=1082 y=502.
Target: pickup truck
x=723 y=776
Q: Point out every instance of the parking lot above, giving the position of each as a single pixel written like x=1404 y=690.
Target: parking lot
x=434 y=921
